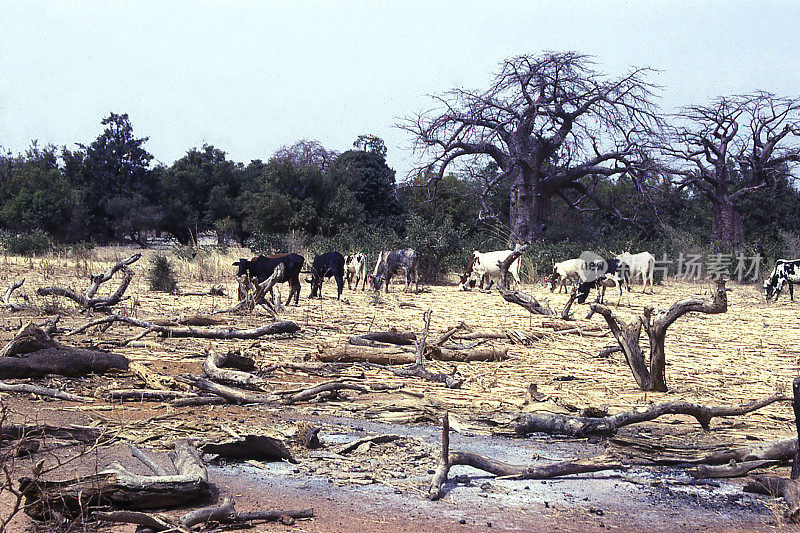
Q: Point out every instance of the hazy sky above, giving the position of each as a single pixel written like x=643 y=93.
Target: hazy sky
x=250 y=77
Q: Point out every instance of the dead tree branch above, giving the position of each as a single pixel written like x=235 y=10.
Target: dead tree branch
x=32 y=353
x=253 y=294
x=276 y=328
x=504 y=265
x=788 y=488
x=87 y=300
x=224 y=513
x=27 y=388
x=117 y=487
x=213 y=364
x=7 y=296
x=579 y=426
x=418 y=369
x=528 y=302
x=655 y=324
x=448 y=459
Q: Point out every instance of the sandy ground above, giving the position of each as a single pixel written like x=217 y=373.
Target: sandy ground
x=745 y=354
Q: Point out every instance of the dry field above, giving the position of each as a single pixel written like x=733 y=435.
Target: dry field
x=745 y=354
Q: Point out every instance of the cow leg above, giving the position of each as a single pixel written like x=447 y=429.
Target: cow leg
x=791 y=290
x=388 y=279
x=339 y=285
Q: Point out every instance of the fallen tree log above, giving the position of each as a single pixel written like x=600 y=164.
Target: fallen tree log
x=781 y=450
x=149 y=394
x=212 y=367
x=82 y=434
x=402 y=338
x=261 y=447
x=69 y=362
x=224 y=514
x=788 y=488
x=241 y=396
x=349 y=353
x=417 y=369
x=466 y=355
x=528 y=302
x=215 y=290
x=276 y=328
x=32 y=353
x=117 y=487
x=29 y=338
x=376 y=439
x=448 y=459
x=578 y=426
x=27 y=388
x=731 y=470
x=87 y=300
x=302 y=395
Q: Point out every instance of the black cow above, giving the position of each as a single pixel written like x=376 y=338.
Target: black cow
x=785 y=271
x=326 y=266
x=615 y=273
x=262 y=267
x=390 y=264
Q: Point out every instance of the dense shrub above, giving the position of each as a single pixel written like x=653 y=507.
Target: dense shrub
x=161 y=275
x=29 y=243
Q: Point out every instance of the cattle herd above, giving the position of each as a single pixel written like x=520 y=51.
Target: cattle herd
x=483 y=269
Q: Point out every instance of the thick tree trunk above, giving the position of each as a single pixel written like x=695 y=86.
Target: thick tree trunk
x=530 y=207
x=727 y=226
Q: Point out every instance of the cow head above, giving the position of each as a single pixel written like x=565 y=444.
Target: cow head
x=375 y=282
x=771 y=288
x=316 y=284
x=554 y=279
x=244 y=267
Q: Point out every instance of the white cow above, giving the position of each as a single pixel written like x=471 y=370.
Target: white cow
x=642 y=264
x=569 y=269
x=355 y=269
x=485 y=266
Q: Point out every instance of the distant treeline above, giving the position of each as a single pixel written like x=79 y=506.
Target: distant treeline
x=306 y=197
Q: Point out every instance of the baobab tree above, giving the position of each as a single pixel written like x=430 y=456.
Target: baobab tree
x=547 y=122
x=733 y=147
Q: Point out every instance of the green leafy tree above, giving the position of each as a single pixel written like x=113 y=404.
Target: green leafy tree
x=199 y=191
x=285 y=198
x=370 y=143
x=372 y=182
x=112 y=170
x=36 y=195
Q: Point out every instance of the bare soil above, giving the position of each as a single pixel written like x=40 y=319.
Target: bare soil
x=745 y=354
